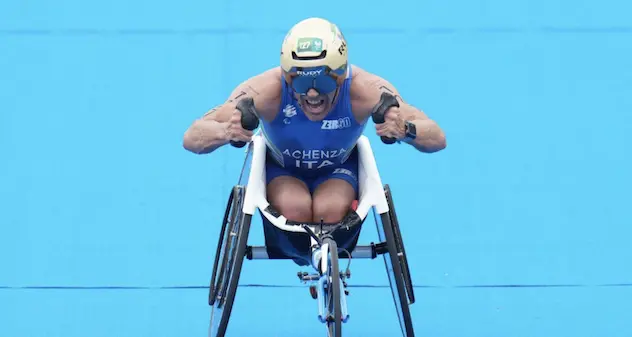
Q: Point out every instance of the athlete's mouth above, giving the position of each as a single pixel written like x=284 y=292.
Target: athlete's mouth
x=315 y=105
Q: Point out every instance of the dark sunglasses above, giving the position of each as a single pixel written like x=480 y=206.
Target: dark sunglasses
x=322 y=79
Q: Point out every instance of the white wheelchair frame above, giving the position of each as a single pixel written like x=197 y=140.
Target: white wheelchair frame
x=372 y=197
x=369 y=185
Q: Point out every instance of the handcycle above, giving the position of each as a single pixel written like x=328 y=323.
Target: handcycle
x=320 y=245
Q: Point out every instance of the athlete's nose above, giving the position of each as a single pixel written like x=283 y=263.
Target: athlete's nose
x=312 y=93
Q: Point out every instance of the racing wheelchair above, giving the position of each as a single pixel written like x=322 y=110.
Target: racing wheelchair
x=320 y=245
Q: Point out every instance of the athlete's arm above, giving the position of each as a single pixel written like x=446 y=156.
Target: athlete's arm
x=429 y=136
x=214 y=130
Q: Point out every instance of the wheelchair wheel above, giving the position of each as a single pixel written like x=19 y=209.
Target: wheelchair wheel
x=334 y=320
x=396 y=266
x=229 y=258
x=220 y=254
x=399 y=241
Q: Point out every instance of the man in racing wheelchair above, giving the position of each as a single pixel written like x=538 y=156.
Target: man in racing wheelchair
x=312 y=109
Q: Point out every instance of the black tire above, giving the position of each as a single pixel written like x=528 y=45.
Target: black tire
x=220 y=254
x=334 y=324
x=395 y=273
x=235 y=239
x=401 y=250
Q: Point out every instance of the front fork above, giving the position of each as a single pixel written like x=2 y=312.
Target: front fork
x=319 y=282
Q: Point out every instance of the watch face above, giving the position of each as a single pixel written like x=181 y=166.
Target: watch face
x=411 y=130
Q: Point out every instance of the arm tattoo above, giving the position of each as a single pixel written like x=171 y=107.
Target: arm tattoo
x=213 y=110
x=382 y=86
x=385 y=88
x=253 y=90
x=249 y=90
x=240 y=95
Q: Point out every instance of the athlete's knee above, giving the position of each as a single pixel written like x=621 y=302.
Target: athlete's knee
x=291 y=198
x=332 y=209
x=332 y=200
x=297 y=209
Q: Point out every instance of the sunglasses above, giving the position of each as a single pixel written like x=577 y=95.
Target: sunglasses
x=322 y=79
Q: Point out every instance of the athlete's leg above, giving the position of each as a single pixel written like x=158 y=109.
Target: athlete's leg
x=335 y=192
x=290 y=196
x=332 y=200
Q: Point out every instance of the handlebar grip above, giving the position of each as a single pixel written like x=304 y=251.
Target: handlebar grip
x=249 y=119
x=387 y=101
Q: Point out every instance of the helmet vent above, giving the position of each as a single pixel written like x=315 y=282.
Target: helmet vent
x=322 y=55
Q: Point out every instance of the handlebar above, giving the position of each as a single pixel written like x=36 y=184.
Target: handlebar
x=387 y=101
x=249 y=119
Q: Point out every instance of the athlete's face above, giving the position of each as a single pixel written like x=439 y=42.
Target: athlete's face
x=315 y=89
x=315 y=105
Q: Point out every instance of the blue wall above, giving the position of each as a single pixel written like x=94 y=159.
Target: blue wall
x=96 y=190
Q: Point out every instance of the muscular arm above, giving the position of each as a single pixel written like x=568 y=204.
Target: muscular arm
x=430 y=138
x=209 y=132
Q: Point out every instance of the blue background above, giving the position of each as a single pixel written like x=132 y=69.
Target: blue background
x=96 y=190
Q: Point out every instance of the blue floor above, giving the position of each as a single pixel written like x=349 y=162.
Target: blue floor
x=533 y=190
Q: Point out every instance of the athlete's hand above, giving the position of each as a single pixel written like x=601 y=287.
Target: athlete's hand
x=394 y=125
x=235 y=132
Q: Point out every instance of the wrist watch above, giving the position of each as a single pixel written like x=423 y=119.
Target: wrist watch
x=411 y=131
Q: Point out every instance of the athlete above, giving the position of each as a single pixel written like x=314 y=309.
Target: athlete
x=312 y=109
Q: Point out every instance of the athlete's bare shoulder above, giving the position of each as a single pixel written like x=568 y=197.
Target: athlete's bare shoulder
x=366 y=90
x=265 y=89
x=363 y=93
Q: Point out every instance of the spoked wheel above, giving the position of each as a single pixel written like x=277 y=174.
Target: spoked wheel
x=229 y=258
x=334 y=319
x=397 y=266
